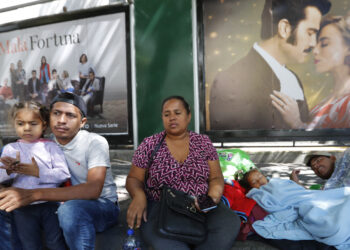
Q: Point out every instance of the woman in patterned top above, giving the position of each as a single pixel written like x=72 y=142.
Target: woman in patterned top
x=332 y=55
x=185 y=161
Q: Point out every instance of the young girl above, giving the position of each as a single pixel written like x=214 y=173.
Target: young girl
x=34 y=162
x=253 y=179
x=234 y=196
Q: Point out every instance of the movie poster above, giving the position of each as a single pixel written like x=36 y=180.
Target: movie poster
x=85 y=56
x=266 y=75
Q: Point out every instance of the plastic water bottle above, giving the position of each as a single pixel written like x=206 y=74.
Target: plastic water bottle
x=131 y=243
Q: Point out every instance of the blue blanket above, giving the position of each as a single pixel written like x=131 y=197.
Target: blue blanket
x=300 y=214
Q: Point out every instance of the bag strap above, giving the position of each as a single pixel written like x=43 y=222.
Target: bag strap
x=155 y=151
x=151 y=158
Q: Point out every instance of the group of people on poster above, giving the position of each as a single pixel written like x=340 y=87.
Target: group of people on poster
x=44 y=84
x=260 y=92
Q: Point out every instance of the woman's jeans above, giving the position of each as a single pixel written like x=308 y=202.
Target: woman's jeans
x=81 y=219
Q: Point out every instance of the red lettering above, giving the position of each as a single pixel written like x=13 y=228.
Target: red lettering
x=2 y=48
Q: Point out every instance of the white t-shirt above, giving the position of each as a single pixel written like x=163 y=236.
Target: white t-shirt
x=84 y=69
x=86 y=151
x=289 y=82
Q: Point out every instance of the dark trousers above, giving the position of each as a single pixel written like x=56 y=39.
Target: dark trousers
x=222 y=228
x=32 y=220
x=8 y=233
x=292 y=244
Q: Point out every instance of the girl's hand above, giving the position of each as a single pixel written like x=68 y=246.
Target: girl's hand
x=27 y=168
x=10 y=163
x=14 y=165
x=288 y=108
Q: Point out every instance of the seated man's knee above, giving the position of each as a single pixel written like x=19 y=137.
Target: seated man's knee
x=69 y=213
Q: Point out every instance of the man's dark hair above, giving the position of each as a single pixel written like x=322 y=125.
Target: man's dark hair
x=54 y=71
x=292 y=10
x=72 y=99
x=91 y=71
x=33 y=71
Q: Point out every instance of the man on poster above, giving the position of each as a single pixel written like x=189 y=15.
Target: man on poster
x=240 y=95
x=34 y=87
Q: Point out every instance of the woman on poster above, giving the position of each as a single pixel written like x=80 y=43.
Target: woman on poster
x=13 y=78
x=332 y=55
x=84 y=68
x=21 y=83
x=66 y=82
x=44 y=76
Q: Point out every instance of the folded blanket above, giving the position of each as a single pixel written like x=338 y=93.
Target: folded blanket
x=296 y=213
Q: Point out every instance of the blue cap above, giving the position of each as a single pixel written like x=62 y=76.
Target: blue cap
x=71 y=98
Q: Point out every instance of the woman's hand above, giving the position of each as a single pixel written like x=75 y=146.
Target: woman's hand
x=288 y=108
x=138 y=206
x=216 y=181
x=136 y=211
x=207 y=203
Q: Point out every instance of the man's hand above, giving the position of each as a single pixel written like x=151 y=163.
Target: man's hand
x=294 y=175
x=12 y=198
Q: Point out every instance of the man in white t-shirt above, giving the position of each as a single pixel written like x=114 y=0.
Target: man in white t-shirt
x=90 y=204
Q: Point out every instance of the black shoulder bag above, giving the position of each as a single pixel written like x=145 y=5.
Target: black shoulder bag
x=178 y=217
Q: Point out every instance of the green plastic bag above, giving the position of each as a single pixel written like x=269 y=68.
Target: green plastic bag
x=232 y=160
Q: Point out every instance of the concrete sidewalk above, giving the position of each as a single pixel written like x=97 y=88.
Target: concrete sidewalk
x=277 y=164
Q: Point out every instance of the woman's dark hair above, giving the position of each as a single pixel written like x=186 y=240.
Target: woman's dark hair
x=81 y=57
x=40 y=110
x=43 y=57
x=181 y=99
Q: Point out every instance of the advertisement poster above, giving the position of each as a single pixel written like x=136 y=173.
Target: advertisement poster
x=78 y=56
x=265 y=70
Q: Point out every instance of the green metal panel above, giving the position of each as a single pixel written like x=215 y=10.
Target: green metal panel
x=164 y=60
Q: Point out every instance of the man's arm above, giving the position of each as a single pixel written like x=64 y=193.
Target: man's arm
x=12 y=198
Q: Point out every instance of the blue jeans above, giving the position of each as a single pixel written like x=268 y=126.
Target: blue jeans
x=33 y=221
x=81 y=219
x=8 y=232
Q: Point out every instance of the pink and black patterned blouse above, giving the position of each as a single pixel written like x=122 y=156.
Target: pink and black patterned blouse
x=191 y=176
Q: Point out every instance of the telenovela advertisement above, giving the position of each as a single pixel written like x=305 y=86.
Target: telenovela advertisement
x=277 y=65
x=87 y=56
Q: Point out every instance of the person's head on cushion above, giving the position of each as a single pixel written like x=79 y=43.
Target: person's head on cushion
x=253 y=179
